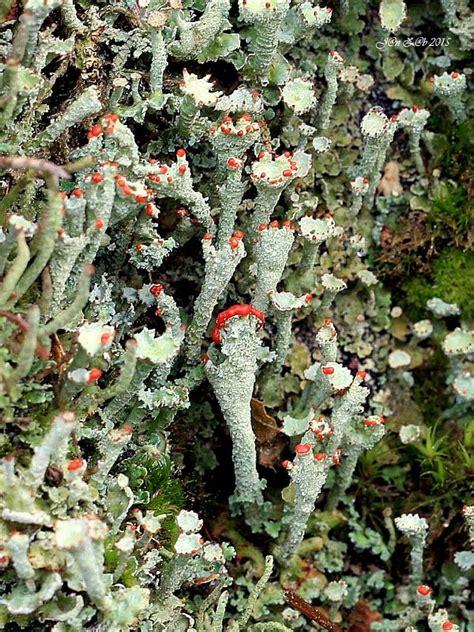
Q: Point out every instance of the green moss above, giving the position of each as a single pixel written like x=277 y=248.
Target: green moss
x=451 y=279
x=451 y=209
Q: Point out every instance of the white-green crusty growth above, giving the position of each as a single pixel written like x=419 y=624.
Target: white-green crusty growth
x=423 y=329
x=414 y=117
x=398 y=359
x=277 y=171
x=95 y=337
x=317 y=230
x=338 y=376
x=298 y=95
x=315 y=16
x=360 y=185
x=411 y=524
x=438 y=621
x=441 y=309
x=458 y=342
x=188 y=543
x=464 y=384
x=349 y=74
x=287 y=301
x=156 y=349
x=321 y=144
x=71 y=534
x=200 y=89
x=365 y=82
x=449 y=84
x=336 y=591
x=374 y=123
x=241 y=100
x=409 y=433
x=392 y=13
x=21 y=223
x=332 y=283
x=367 y=277
x=262 y=9
x=188 y=521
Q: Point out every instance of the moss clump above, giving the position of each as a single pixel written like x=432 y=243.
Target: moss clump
x=452 y=211
x=451 y=279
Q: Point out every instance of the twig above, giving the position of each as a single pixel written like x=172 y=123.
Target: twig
x=310 y=611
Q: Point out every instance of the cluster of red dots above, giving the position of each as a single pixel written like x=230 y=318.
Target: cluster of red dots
x=246 y=119
x=236 y=238
x=98 y=130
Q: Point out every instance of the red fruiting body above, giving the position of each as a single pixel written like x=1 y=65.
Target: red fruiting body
x=366 y=180
x=156 y=289
x=75 y=464
x=127 y=428
x=369 y=422
x=225 y=130
x=232 y=162
x=169 y=179
x=235 y=310
x=274 y=224
x=286 y=464
x=288 y=173
x=94 y=375
x=362 y=374
x=141 y=198
x=267 y=5
x=63 y=195
x=97 y=178
x=414 y=108
x=149 y=210
x=234 y=243
x=238 y=234
x=78 y=193
x=261 y=155
x=109 y=129
x=207 y=236
x=216 y=335
x=308 y=298
x=139 y=246
x=447 y=625
x=327 y=322
x=163 y=169
x=105 y=338
x=182 y=168
x=423 y=590
x=320 y=456
x=454 y=75
x=204 y=358
x=113 y=118
x=255 y=94
x=303 y=448
x=328 y=370
x=99 y=223
x=152 y=161
x=181 y=153
x=286 y=224
x=96 y=130
x=126 y=190
x=262 y=227
x=227 y=119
